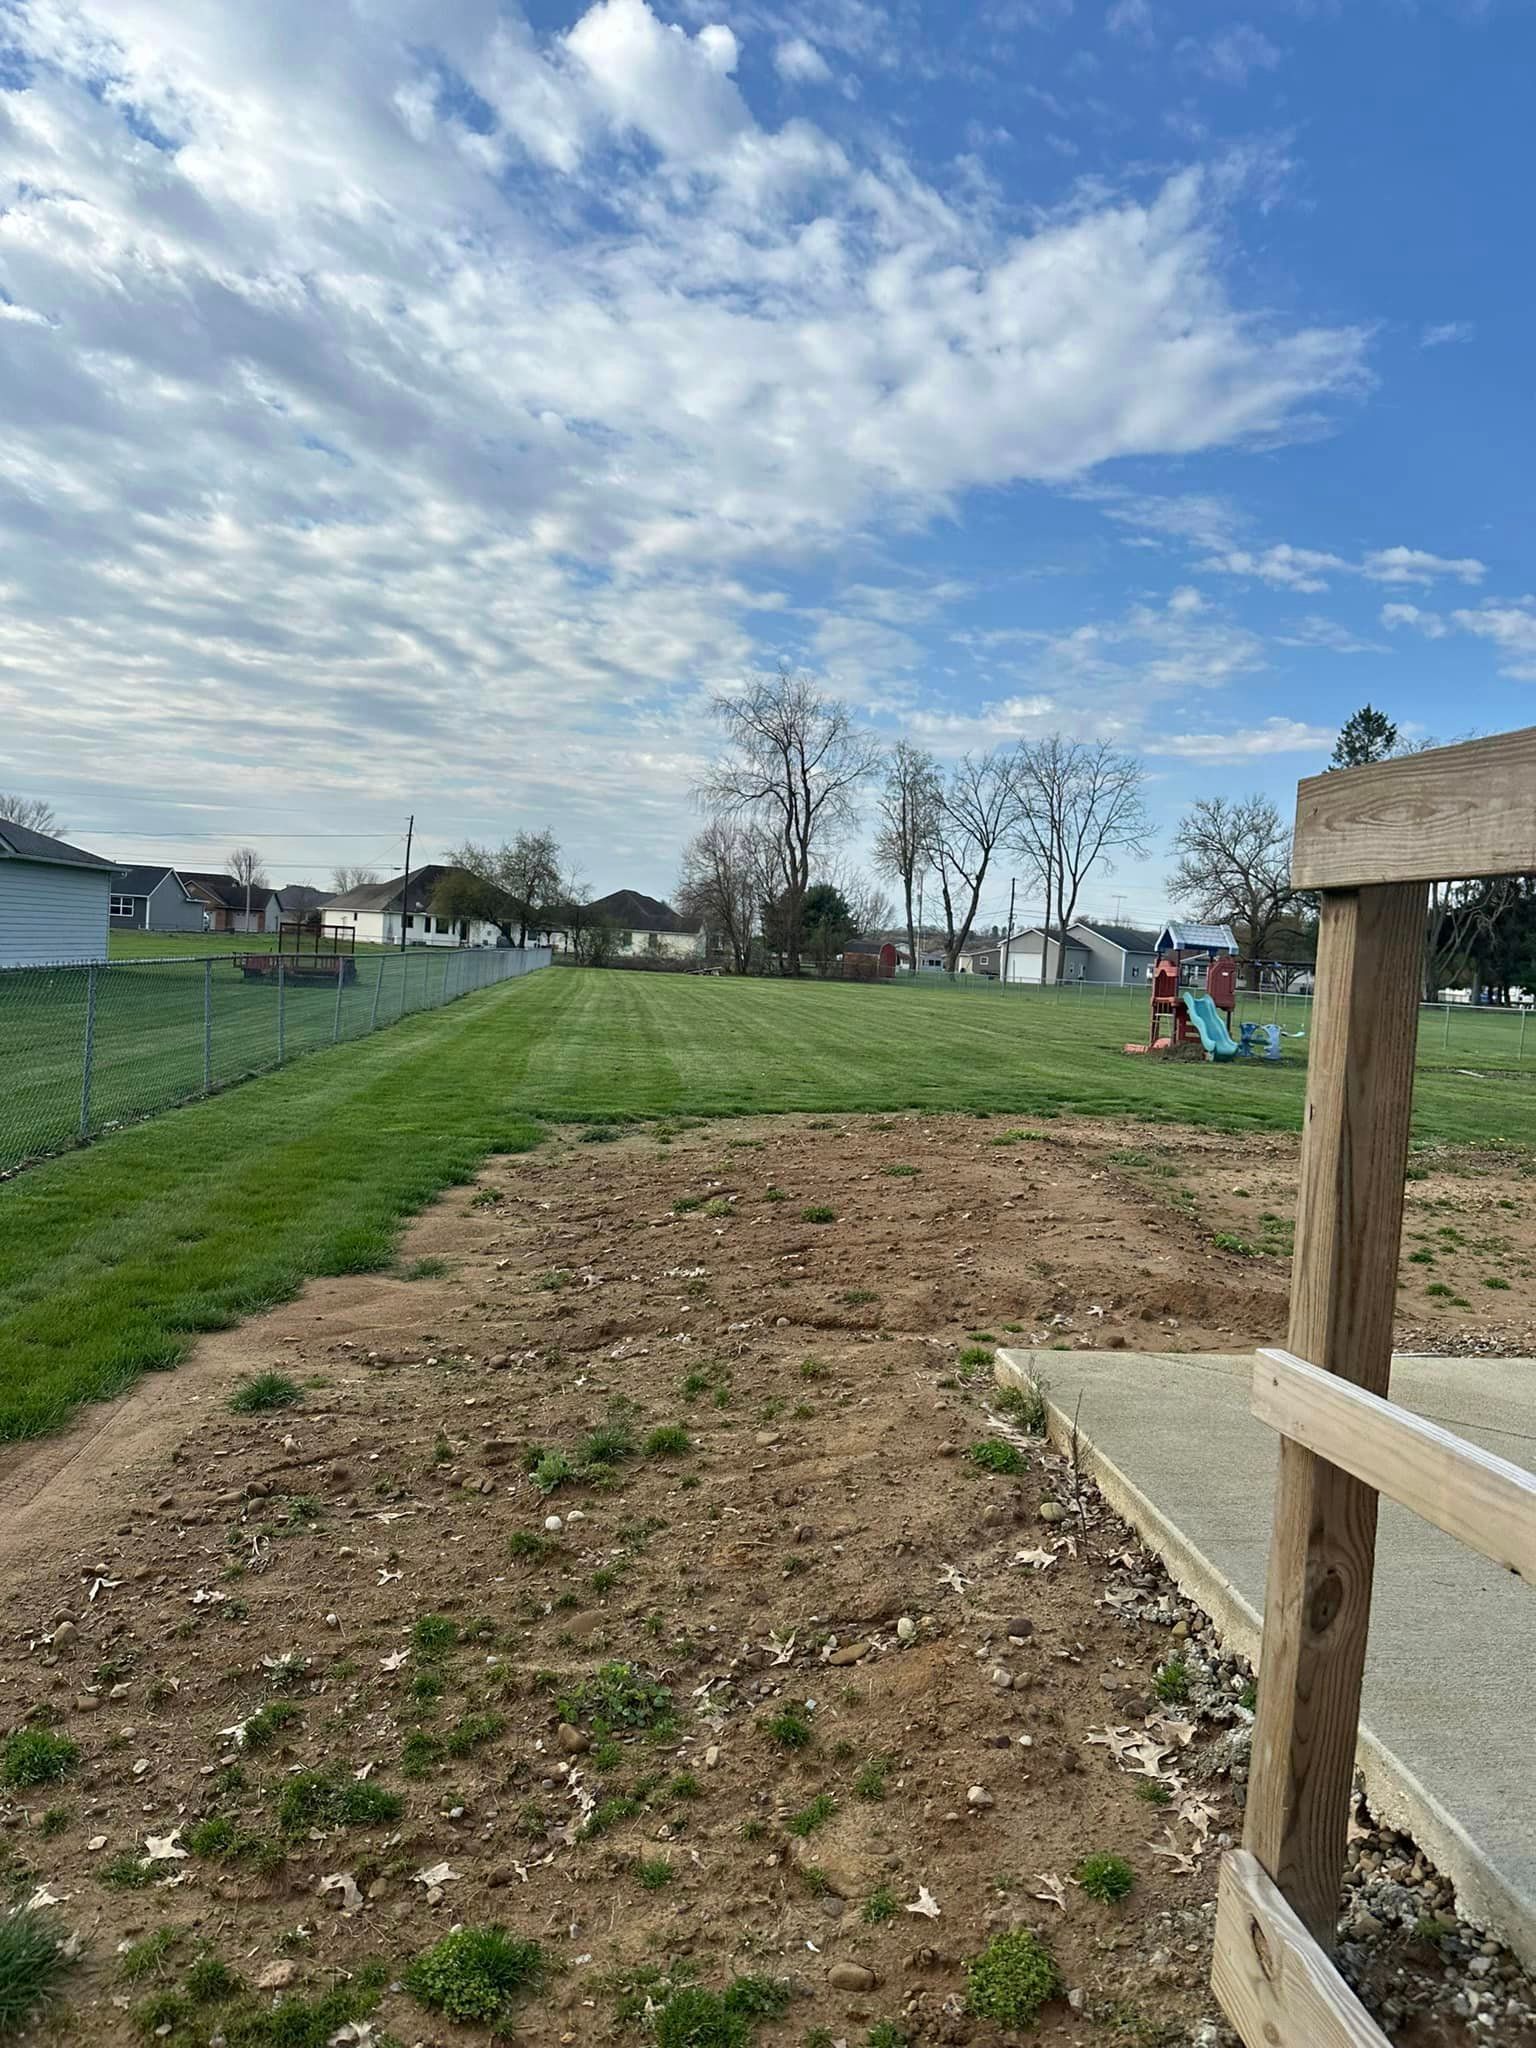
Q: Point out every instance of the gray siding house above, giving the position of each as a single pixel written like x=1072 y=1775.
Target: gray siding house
x=1031 y=959
x=155 y=899
x=54 y=900
x=1123 y=953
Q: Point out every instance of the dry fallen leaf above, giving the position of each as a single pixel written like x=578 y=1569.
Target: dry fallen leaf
x=344 y=1882
x=394 y=1660
x=925 y=1903
x=438 y=1874
x=164 y=1848
x=1052 y=1890
x=1183 y=1865
x=1038 y=1559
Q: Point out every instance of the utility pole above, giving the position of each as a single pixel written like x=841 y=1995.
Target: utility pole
x=405 y=886
x=1013 y=883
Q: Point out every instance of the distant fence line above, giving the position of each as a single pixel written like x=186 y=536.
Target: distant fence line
x=85 y=1049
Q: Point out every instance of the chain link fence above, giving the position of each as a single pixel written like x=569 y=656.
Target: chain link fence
x=1481 y=1036
x=89 y=1048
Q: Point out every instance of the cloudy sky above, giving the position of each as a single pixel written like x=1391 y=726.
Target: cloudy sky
x=426 y=404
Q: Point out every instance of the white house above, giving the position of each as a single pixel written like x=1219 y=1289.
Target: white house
x=373 y=913
x=55 y=900
x=643 y=925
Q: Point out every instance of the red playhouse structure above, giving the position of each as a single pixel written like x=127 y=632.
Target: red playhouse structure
x=1203 y=1018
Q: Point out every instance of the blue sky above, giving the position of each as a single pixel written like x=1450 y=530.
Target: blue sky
x=426 y=407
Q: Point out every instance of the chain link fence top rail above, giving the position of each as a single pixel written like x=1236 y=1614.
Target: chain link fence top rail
x=89 y=1048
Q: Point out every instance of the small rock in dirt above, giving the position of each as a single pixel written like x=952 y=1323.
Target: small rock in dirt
x=1052 y=1511
x=712 y=1756
x=572 y=1740
x=277 y=1976
x=850 y=1653
x=1002 y=1679
x=553 y=1524
x=851 y=1977
x=87 y=1704
x=1077 y=1998
x=978 y=1796
x=1020 y=1630
x=64 y=1635
x=906 y=1629
x=767 y=1438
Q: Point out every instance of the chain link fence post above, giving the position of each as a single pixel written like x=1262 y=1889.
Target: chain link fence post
x=282 y=991
x=88 y=1057
x=207 y=1027
x=378 y=986
x=341 y=968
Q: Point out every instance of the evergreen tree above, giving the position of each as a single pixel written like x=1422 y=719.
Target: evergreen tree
x=1367 y=736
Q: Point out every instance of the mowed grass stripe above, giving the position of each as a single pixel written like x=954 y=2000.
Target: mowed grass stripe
x=112 y=1259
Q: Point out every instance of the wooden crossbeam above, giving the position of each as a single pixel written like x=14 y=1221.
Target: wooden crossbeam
x=1275 y=1984
x=1435 y=817
x=1482 y=1500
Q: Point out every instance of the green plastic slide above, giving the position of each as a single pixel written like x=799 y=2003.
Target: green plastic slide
x=1214 y=1036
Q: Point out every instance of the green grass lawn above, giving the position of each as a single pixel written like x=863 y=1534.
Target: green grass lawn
x=123 y=944
x=114 y=1257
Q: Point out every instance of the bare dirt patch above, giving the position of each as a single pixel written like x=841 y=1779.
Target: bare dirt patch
x=336 y=1685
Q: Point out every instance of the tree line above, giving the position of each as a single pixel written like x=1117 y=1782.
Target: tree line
x=793 y=784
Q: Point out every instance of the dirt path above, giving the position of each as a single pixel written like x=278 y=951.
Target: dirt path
x=215 y=1608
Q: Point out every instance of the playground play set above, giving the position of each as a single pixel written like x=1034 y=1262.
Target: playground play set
x=1204 y=1017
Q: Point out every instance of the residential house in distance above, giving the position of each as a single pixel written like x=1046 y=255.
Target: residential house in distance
x=643 y=924
x=55 y=900
x=373 y=913
x=1096 y=952
x=224 y=900
x=1031 y=958
x=1123 y=953
x=154 y=898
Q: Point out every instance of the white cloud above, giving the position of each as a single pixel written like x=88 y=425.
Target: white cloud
x=1275 y=736
x=1315 y=631
x=800 y=62
x=1232 y=57
x=1308 y=569
x=1131 y=18
x=1285 y=567
x=1446 y=331
x=432 y=377
x=1510 y=624
x=1414 y=565
x=1512 y=629
x=1430 y=624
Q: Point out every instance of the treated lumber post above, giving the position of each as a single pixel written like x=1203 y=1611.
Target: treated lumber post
x=1343 y=1288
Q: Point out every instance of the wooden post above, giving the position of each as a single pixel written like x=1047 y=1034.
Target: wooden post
x=1343 y=1291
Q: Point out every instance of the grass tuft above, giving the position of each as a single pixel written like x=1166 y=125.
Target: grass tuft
x=477 y=1975
x=36 y=1756
x=1011 y=1979
x=1105 y=1878
x=265 y=1392
x=32 y=1960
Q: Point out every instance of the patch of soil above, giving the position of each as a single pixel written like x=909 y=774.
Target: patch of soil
x=971 y=1654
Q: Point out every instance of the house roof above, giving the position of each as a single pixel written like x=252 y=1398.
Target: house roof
x=143 y=881
x=1201 y=938
x=387 y=895
x=224 y=888
x=1035 y=931
x=632 y=912
x=20 y=842
x=1130 y=938
x=300 y=897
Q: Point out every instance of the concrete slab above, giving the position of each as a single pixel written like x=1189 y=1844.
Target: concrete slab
x=1446 y=1715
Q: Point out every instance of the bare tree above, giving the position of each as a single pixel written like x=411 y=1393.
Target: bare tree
x=722 y=884
x=976 y=813
x=1235 y=867
x=345 y=878
x=33 y=812
x=245 y=866
x=908 y=803
x=1081 y=802
x=795 y=767
x=521 y=879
